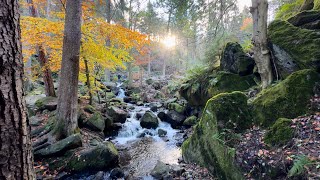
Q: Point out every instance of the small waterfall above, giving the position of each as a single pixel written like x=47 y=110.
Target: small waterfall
x=121 y=93
x=131 y=129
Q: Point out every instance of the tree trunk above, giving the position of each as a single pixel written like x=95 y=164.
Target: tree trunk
x=43 y=60
x=168 y=30
x=46 y=73
x=16 y=159
x=88 y=80
x=108 y=13
x=130 y=74
x=68 y=86
x=259 y=12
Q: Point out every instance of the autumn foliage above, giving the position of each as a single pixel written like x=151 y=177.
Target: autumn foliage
x=48 y=33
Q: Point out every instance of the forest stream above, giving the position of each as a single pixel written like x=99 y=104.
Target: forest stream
x=140 y=148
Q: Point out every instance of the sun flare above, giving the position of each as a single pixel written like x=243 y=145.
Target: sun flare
x=169 y=41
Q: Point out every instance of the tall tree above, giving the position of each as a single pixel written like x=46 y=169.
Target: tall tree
x=43 y=59
x=68 y=86
x=15 y=144
x=259 y=11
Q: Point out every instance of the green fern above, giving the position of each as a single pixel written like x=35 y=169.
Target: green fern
x=300 y=163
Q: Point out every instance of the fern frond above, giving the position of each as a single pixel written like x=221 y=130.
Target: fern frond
x=299 y=165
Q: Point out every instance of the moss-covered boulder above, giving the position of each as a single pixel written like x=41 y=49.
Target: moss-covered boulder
x=60 y=147
x=177 y=107
x=301 y=44
x=289 y=98
x=280 y=132
x=207 y=146
x=107 y=154
x=89 y=109
x=198 y=90
x=235 y=60
x=47 y=103
x=190 y=121
x=149 y=120
x=95 y=122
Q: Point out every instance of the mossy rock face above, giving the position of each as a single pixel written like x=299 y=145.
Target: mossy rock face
x=306 y=19
x=301 y=44
x=280 y=132
x=206 y=146
x=199 y=90
x=47 y=103
x=234 y=60
x=289 y=98
x=177 y=107
x=228 y=82
x=107 y=154
x=284 y=62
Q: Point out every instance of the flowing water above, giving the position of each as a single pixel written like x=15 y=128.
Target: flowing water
x=143 y=146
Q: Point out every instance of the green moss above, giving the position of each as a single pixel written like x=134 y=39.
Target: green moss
x=200 y=89
x=190 y=121
x=228 y=82
x=49 y=103
x=288 y=99
x=280 y=132
x=316 y=5
x=301 y=44
x=177 y=107
x=87 y=158
x=90 y=109
x=232 y=111
x=207 y=145
x=96 y=122
x=289 y=9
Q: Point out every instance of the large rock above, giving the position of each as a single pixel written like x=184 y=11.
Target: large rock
x=306 y=19
x=174 y=118
x=208 y=145
x=234 y=60
x=198 y=90
x=288 y=99
x=107 y=154
x=160 y=170
x=177 y=107
x=96 y=122
x=190 y=121
x=117 y=115
x=47 y=103
x=60 y=147
x=301 y=44
x=285 y=64
x=149 y=120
